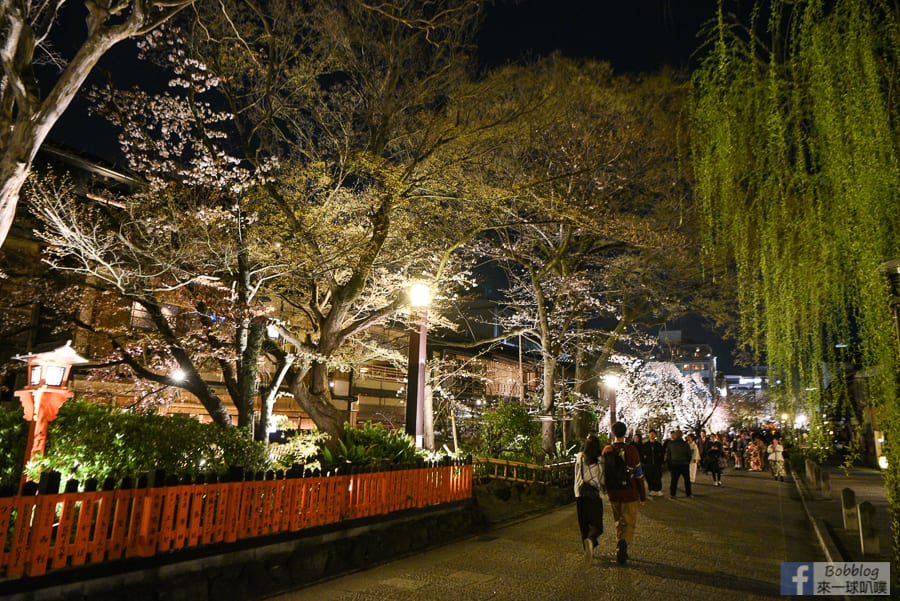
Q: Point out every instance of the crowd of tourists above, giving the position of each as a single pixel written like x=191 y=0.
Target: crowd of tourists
x=755 y=451
x=630 y=469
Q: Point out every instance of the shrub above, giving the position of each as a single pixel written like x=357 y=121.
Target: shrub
x=303 y=448
x=13 y=438
x=373 y=445
x=508 y=432
x=89 y=440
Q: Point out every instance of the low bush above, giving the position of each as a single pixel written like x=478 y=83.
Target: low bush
x=90 y=440
x=372 y=445
x=13 y=438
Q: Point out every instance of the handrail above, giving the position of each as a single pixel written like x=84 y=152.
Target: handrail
x=42 y=533
x=517 y=471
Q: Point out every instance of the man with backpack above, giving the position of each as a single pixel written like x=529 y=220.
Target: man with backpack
x=624 y=481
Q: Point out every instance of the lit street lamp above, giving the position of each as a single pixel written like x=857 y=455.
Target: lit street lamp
x=419 y=298
x=46 y=391
x=611 y=382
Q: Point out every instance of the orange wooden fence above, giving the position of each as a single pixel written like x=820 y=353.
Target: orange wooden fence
x=48 y=532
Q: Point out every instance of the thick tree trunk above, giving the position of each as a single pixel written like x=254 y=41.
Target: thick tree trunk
x=269 y=395
x=213 y=404
x=583 y=421
x=548 y=438
x=315 y=399
x=12 y=177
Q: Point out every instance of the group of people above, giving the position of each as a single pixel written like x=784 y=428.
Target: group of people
x=621 y=468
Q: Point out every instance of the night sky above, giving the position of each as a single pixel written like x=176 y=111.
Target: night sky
x=632 y=35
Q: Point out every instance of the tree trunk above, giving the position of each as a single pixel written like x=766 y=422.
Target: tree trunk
x=548 y=439
x=315 y=399
x=268 y=397
x=583 y=421
x=12 y=177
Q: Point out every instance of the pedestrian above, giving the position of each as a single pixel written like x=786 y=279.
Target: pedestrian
x=756 y=454
x=652 y=457
x=588 y=485
x=738 y=448
x=713 y=458
x=624 y=479
x=701 y=442
x=776 y=459
x=678 y=458
x=695 y=456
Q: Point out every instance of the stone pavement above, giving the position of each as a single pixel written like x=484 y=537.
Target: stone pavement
x=726 y=543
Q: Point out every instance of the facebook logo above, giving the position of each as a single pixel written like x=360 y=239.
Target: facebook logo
x=797 y=578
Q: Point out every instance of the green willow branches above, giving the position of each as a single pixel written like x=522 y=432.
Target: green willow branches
x=795 y=148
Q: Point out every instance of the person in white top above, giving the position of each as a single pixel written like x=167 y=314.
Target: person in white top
x=588 y=486
x=695 y=456
x=776 y=459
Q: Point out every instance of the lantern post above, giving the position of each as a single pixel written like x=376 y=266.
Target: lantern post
x=45 y=392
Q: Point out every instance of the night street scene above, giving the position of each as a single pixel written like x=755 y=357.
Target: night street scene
x=442 y=300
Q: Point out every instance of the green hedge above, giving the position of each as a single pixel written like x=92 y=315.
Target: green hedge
x=89 y=440
x=13 y=438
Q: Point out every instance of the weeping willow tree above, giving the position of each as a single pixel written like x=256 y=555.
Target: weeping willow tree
x=795 y=146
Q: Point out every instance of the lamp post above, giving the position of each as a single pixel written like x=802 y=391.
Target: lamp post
x=46 y=391
x=611 y=382
x=419 y=298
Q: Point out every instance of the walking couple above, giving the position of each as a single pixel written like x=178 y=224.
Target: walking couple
x=617 y=471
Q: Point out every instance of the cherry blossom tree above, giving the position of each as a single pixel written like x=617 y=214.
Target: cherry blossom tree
x=654 y=394
x=27 y=115
x=596 y=228
x=331 y=138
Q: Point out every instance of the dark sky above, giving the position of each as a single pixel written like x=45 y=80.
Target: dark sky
x=633 y=35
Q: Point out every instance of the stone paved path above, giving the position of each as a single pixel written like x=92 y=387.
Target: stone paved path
x=726 y=543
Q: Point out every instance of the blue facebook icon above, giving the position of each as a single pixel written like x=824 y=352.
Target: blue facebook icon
x=797 y=578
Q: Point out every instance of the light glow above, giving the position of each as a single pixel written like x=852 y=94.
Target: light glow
x=611 y=380
x=419 y=295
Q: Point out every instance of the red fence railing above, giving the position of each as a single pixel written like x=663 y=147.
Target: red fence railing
x=48 y=532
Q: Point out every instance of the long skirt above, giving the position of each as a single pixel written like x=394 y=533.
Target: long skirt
x=590 y=518
x=777 y=468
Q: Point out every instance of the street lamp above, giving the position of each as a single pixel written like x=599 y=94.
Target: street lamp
x=46 y=391
x=611 y=381
x=419 y=298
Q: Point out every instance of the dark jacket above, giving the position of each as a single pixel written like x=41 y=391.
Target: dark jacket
x=678 y=452
x=652 y=453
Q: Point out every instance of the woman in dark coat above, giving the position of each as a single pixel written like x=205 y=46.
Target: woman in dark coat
x=589 y=470
x=714 y=458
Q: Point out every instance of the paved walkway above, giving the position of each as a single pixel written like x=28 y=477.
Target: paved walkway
x=725 y=543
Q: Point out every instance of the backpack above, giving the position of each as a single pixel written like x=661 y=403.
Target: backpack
x=615 y=470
